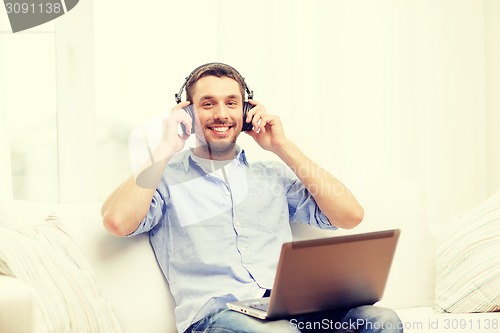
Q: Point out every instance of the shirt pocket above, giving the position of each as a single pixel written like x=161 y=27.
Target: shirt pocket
x=266 y=206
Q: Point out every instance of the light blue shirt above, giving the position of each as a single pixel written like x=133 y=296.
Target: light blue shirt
x=217 y=235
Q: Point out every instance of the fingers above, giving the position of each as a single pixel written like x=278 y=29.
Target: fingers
x=258 y=117
x=180 y=106
x=180 y=116
x=186 y=122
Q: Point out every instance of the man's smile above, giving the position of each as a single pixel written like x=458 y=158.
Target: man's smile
x=220 y=130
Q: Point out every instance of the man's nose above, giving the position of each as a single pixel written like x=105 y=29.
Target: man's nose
x=221 y=111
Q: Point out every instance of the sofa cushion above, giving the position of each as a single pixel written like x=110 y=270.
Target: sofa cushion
x=66 y=298
x=426 y=320
x=468 y=261
x=126 y=271
x=16 y=306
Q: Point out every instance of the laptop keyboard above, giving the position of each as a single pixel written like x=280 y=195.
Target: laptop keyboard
x=259 y=305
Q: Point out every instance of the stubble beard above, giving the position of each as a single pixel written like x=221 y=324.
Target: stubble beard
x=218 y=149
x=215 y=149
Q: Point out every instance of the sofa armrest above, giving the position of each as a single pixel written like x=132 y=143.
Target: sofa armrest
x=16 y=306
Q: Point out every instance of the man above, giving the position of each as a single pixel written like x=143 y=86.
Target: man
x=217 y=222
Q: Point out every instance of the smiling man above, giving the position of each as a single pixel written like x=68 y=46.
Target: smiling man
x=216 y=221
x=218 y=101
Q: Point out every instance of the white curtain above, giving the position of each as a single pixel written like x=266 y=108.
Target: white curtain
x=371 y=90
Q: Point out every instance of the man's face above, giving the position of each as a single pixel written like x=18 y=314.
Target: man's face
x=219 y=106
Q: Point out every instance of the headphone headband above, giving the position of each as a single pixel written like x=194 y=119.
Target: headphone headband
x=247 y=89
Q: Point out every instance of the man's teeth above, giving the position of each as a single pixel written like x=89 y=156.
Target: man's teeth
x=220 y=129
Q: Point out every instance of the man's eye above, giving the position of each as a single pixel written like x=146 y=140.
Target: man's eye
x=232 y=103
x=207 y=105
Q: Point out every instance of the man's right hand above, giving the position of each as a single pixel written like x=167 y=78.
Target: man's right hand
x=125 y=208
x=172 y=141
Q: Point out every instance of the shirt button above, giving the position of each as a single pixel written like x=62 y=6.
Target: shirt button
x=227 y=193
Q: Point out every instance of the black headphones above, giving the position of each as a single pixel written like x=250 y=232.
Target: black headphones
x=190 y=108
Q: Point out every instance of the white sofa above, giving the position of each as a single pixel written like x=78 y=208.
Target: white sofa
x=130 y=281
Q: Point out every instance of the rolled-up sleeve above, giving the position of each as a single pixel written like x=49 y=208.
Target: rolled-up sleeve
x=153 y=217
x=301 y=204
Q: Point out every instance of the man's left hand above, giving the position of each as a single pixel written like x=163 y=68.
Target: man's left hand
x=267 y=129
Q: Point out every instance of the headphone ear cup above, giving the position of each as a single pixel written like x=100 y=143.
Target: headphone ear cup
x=190 y=111
x=246 y=126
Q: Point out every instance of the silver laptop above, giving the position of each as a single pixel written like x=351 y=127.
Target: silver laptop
x=327 y=274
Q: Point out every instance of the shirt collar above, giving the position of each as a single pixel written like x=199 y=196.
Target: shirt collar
x=188 y=161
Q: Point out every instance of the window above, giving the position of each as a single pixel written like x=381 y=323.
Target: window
x=28 y=112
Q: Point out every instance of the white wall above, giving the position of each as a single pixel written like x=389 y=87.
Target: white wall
x=141 y=60
x=392 y=89
x=492 y=37
x=76 y=117
x=372 y=90
x=28 y=147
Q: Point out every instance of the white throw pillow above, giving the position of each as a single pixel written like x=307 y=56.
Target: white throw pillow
x=468 y=261
x=66 y=298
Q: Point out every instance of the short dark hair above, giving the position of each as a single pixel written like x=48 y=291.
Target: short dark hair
x=214 y=69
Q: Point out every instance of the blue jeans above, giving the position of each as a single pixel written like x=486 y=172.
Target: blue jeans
x=363 y=319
